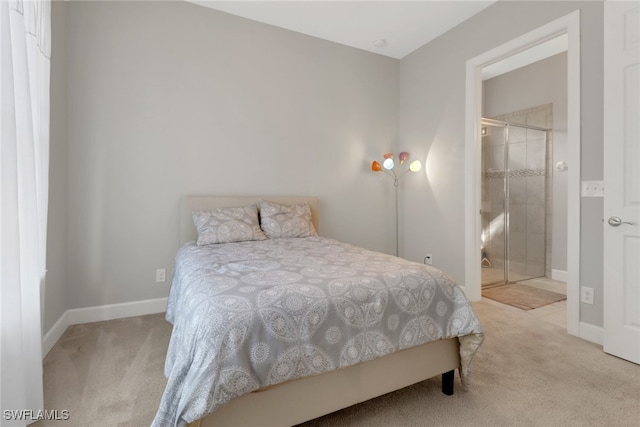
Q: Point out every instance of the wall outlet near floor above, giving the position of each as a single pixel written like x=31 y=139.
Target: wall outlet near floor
x=161 y=275
x=428 y=259
x=586 y=295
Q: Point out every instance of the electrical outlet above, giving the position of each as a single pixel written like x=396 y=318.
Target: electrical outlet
x=586 y=295
x=161 y=275
x=428 y=259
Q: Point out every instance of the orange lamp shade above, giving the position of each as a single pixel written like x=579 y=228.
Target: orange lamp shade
x=375 y=166
x=388 y=156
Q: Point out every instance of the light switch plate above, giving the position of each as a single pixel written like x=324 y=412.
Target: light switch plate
x=592 y=188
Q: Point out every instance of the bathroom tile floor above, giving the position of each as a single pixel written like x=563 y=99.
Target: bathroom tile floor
x=555 y=313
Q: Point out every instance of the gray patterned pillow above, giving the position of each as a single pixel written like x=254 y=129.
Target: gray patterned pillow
x=226 y=225
x=286 y=221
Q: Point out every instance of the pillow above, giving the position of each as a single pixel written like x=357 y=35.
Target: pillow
x=226 y=225
x=286 y=221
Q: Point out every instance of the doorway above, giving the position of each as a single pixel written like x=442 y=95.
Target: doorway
x=568 y=25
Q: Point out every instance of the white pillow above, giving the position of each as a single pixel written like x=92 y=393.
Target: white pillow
x=286 y=221
x=226 y=225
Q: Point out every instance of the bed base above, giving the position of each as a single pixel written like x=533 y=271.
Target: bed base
x=307 y=398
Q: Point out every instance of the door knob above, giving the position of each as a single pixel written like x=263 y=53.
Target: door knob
x=614 y=221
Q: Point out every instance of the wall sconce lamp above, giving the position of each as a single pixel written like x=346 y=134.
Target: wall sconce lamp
x=396 y=171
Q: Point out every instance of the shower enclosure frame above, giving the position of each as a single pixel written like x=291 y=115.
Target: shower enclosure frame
x=505 y=182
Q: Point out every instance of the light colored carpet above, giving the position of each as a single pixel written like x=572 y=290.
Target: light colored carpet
x=527 y=373
x=107 y=373
x=522 y=296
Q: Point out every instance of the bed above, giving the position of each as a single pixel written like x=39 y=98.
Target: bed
x=278 y=331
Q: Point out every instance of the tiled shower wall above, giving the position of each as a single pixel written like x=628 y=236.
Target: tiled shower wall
x=530 y=192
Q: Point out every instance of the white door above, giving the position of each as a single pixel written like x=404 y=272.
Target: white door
x=622 y=180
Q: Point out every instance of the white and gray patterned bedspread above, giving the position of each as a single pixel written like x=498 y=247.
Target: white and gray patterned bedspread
x=251 y=314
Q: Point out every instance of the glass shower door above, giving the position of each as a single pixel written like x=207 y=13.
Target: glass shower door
x=514 y=202
x=525 y=203
x=493 y=215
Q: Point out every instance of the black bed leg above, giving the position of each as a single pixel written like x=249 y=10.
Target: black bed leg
x=447 y=383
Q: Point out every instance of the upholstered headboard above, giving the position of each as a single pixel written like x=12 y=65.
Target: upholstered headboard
x=189 y=204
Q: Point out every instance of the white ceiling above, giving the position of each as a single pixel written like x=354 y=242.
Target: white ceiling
x=403 y=25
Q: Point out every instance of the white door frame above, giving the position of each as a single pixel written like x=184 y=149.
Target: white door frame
x=570 y=25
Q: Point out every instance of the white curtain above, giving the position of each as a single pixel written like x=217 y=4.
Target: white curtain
x=25 y=50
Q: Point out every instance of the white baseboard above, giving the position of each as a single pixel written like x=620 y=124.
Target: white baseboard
x=559 y=275
x=592 y=333
x=116 y=311
x=53 y=335
x=76 y=316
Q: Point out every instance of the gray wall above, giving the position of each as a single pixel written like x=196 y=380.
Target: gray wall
x=169 y=98
x=432 y=123
x=165 y=99
x=537 y=84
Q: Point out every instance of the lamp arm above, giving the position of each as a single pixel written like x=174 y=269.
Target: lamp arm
x=391 y=174
x=404 y=173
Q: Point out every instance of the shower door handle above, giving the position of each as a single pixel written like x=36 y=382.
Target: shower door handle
x=614 y=221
